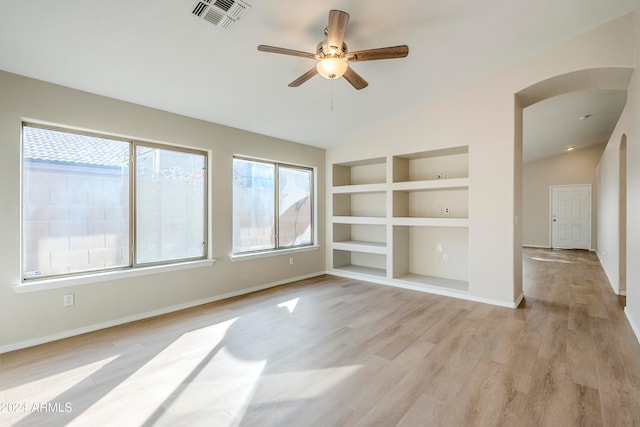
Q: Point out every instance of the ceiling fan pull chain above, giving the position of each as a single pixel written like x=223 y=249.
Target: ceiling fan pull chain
x=331 y=94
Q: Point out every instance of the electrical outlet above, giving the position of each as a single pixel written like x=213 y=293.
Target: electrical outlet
x=291 y=261
x=68 y=300
x=445 y=257
x=439 y=247
x=446 y=211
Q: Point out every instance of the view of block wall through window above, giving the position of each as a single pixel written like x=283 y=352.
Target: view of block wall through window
x=170 y=204
x=256 y=201
x=77 y=210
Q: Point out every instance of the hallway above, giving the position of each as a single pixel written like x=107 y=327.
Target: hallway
x=585 y=337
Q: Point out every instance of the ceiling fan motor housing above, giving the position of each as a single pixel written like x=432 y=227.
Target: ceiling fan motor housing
x=326 y=51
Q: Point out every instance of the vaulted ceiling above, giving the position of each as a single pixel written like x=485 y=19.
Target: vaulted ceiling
x=160 y=55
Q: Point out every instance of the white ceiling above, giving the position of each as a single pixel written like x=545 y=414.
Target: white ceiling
x=158 y=54
x=576 y=119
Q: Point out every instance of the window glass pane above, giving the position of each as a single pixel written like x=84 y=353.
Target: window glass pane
x=75 y=203
x=294 y=203
x=253 y=205
x=170 y=205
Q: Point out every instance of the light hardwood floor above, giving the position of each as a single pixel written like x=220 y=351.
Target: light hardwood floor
x=336 y=352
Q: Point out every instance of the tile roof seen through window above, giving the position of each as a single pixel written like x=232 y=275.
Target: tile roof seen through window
x=63 y=147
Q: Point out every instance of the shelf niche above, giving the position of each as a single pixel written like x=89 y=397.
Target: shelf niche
x=448 y=163
x=431 y=203
x=360 y=262
x=416 y=258
x=375 y=235
x=370 y=171
x=360 y=204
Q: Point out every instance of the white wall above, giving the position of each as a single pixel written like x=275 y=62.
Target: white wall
x=28 y=318
x=575 y=167
x=482 y=116
x=608 y=229
x=633 y=192
x=608 y=207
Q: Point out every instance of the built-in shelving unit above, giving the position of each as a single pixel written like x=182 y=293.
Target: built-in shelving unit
x=360 y=217
x=403 y=219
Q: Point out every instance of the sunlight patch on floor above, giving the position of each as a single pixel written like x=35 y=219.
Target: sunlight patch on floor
x=550 y=260
x=47 y=389
x=158 y=379
x=220 y=393
x=289 y=305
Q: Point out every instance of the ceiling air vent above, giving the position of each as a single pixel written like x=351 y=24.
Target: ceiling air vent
x=221 y=13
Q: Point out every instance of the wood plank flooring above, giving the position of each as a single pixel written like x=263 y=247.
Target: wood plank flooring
x=336 y=352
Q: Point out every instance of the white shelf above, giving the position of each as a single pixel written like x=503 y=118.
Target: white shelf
x=361 y=246
x=440 y=282
x=372 y=220
x=361 y=270
x=360 y=188
x=431 y=222
x=434 y=184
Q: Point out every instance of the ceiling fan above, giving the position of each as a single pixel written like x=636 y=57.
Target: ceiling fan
x=333 y=55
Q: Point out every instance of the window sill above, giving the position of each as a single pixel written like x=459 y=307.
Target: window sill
x=64 y=282
x=265 y=254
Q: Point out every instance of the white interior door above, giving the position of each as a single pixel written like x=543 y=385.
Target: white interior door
x=571 y=216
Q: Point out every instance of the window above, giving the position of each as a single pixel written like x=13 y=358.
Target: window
x=94 y=203
x=272 y=206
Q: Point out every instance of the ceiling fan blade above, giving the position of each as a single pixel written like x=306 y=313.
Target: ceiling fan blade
x=337 y=28
x=355 y=79
x=303 y=78
x=379 y=53
x=283 y=51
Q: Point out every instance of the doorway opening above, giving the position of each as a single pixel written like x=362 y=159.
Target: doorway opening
x=605 y=78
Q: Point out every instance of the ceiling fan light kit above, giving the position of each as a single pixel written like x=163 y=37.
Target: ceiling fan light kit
x=334 y=57
x=332 y=67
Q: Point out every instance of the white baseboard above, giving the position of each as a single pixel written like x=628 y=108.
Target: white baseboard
x=536 y=246
x=518 y=301
x=91 y=328
x=427 y=289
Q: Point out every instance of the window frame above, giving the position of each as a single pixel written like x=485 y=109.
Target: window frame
x=133 y=267
x=278 y=249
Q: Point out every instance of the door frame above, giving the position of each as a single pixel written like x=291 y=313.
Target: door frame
x=551 y=187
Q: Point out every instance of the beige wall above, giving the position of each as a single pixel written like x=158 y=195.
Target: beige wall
x=631 y=126
x=28 y=318
x=483 y=116
x=609 y=179
x=609 y=176
x=608 y=207
x=576 y=167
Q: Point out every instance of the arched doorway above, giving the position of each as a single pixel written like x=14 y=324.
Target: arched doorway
x=583 y=80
